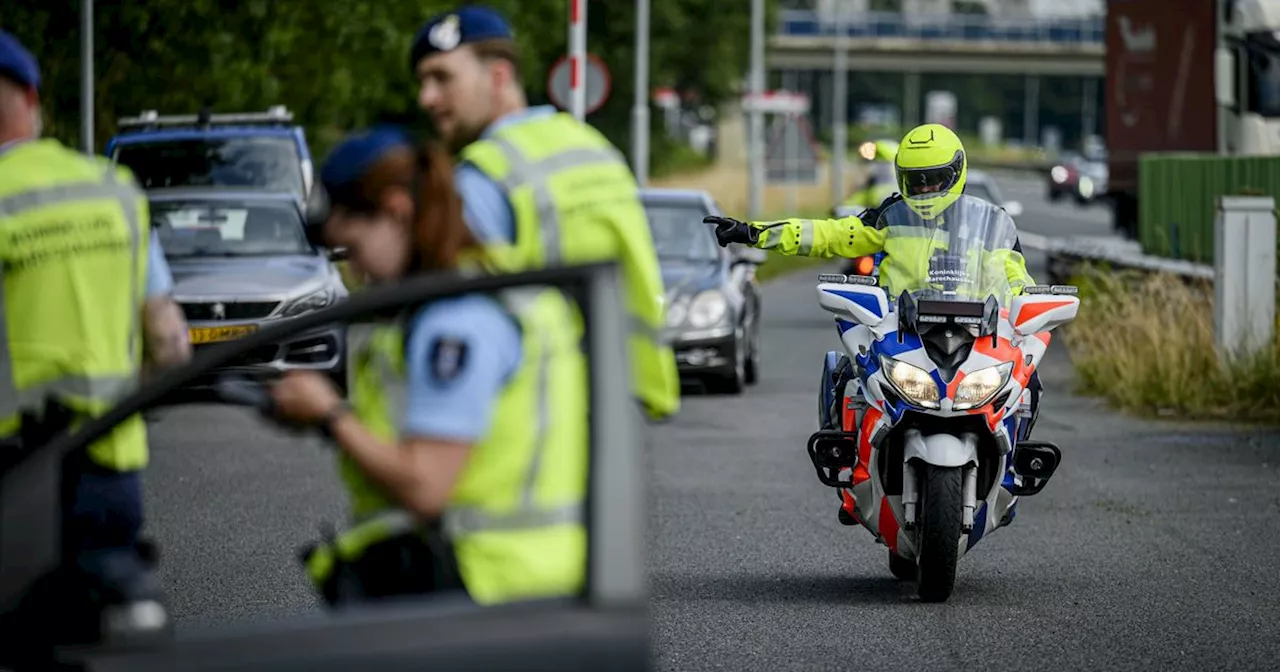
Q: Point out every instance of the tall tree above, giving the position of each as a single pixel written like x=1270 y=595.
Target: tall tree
x=340 y=64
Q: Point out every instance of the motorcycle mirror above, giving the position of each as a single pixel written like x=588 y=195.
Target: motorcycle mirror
x=906 y=315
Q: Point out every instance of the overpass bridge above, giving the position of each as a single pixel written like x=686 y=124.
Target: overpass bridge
x=804 y=43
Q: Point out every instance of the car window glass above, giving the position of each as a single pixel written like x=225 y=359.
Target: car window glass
x=263 y=162
x=216 y=229
x=678 y=232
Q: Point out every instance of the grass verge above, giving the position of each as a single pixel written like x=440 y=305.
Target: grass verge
x=1146 y=343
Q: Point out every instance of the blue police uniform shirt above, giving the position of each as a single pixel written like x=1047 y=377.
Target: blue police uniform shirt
x=460 y=354
x=484 y=205
x=159 y=277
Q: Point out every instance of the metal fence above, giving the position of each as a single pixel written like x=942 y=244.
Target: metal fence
x=1178 y=194
x=963 y=27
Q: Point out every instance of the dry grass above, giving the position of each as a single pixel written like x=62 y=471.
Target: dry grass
x=1147 y=345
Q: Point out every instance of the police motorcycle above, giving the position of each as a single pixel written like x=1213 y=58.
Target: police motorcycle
x=920 y=416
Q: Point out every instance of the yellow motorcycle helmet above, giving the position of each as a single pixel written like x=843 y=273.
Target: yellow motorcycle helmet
x=931 y=169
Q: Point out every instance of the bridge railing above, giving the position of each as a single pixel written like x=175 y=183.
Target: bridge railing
x=955 y=27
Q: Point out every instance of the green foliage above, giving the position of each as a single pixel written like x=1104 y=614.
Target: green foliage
x=340 y=65
x=674 y=158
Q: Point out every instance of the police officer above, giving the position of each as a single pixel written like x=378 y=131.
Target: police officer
x=465 y=448
x=540 y=187
x=86 y=297
x=931 y=170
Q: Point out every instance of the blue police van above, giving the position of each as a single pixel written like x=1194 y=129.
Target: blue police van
x=257 y=150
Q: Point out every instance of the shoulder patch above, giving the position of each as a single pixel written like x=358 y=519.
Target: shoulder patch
x=448 y=359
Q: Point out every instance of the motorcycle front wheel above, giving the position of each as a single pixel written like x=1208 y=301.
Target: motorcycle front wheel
x=940 y=527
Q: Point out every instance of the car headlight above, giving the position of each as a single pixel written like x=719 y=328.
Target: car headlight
x=311 y=302
x=1059 y=174
x=979 y=387
x=912 y=382
x=1086 y=187
x=707 y=309
x=677 y=311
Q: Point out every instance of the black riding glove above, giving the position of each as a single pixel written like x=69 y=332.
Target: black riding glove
x=730 y=230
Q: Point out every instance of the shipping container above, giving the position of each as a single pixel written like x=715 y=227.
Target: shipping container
x=1160 y=94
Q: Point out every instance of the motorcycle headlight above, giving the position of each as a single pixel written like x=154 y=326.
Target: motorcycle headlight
x=310 y=302
x=979 y=387
x=677 y=311
x=912 y=382
x=707 y=309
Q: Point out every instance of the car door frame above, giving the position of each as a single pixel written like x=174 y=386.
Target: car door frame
x=605 y=627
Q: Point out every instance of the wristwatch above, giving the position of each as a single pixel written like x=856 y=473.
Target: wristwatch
x=334 y=415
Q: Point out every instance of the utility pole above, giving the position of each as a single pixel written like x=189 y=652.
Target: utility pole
x=578 y=58
x=640 y=108
x=755 y=189
x=840 y=109
x=86 y=75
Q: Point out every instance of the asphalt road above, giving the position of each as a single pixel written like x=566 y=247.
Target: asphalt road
x=1151 y=549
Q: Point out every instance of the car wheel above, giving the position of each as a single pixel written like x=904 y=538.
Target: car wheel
x=1055 y=195
x=736 y=379
x=752 y=371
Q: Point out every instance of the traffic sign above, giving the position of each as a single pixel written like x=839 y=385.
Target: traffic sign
x=791 y=155
x=598 y=83
x=778 y=102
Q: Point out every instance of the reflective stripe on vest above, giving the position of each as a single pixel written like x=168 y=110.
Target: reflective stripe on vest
x=523 y=172
x=535 y=175
x=94 y=389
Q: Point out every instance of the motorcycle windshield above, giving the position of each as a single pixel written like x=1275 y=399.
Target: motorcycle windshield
x=960 y=255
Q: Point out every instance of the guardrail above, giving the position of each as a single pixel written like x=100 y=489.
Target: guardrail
x=961 y=27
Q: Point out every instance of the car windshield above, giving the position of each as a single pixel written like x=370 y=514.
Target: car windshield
x=216 y=229
x=259 y=162
x=965 y=260
x=678 y=231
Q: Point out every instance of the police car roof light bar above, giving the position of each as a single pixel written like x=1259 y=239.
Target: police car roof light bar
x=276 y=114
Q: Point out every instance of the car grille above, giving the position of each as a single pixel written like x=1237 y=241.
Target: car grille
x=247 y=310
x=255 y=357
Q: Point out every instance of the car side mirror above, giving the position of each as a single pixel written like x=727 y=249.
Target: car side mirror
x=748 y=255
x=1014 y=208
x=337 y=254
x=316 y=213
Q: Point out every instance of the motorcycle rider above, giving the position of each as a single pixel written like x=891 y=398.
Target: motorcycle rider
x=931 y=170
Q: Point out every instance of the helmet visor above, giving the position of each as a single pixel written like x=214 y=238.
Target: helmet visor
x=921 y=182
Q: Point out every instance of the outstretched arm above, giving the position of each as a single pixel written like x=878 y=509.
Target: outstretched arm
x=846 y=237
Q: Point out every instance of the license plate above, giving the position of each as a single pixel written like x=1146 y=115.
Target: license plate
x=200 y=335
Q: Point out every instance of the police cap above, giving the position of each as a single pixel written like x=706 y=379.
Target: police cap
x=354 y=156
x=17 y=63
x=446 y=32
